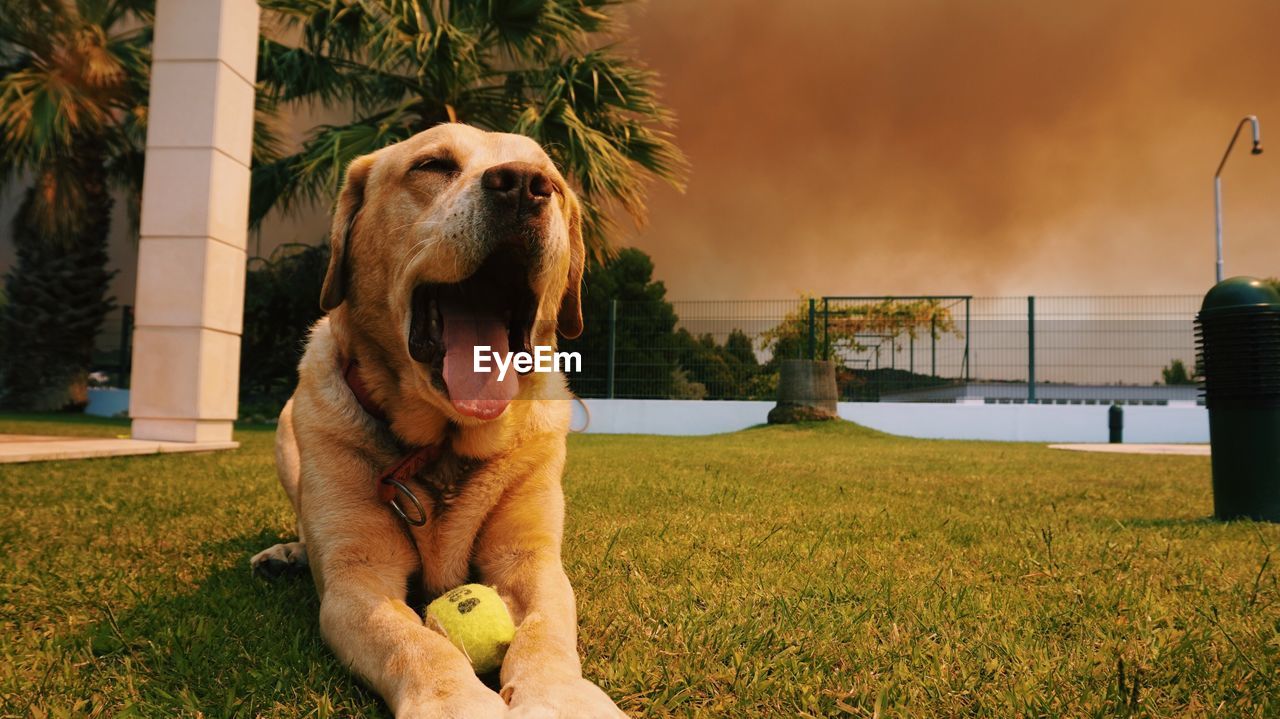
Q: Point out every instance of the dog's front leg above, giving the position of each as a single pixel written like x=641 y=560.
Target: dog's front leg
x=519 y=553
x=366 y=622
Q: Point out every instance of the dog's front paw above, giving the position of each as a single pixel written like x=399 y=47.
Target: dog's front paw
x=283 y=560
x=568 y=699
x=473 y=702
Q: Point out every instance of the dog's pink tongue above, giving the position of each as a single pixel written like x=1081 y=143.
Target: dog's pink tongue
x=474 y=393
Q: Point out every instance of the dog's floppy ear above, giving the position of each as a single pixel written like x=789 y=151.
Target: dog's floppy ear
x=569 y=319
x=350 y=201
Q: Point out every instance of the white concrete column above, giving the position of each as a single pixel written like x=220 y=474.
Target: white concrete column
x=195 y=206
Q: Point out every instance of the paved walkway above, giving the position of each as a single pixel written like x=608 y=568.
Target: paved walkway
x=1190 y=450
x=40 y=448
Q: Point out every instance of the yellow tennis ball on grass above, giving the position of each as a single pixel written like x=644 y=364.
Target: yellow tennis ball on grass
x=475 y=619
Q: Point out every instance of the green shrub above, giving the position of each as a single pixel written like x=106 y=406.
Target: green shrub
x=282 y=301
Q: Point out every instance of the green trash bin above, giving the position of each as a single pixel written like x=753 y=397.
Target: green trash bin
x=1238 y=333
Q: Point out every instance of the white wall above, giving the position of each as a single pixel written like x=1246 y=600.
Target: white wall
x=668 y=416
x=1002 y=422
x=1029 y=423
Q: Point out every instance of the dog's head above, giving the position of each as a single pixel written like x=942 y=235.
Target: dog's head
x=452 y=239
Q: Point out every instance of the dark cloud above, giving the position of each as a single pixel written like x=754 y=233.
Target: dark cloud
x=985 y=146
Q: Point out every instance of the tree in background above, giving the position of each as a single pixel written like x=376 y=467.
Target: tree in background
x=534 y=68
x=73 y=92
x=653 y=358
x=1176 y=374
x=726 y=371
x=645 y=330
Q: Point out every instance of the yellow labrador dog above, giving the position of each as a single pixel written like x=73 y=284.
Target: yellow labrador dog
x=410 y=471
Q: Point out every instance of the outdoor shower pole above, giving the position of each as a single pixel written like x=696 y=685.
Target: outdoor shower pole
x=1217 y=182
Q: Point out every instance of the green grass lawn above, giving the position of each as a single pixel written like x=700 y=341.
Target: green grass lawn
x=776 y=572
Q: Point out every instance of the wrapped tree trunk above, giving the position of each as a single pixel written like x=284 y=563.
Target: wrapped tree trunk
x=806 y=392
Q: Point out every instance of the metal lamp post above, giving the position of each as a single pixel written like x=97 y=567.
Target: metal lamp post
x=1217 y=180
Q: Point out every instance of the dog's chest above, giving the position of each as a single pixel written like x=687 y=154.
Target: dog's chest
x=454 y=504
x=439 y=486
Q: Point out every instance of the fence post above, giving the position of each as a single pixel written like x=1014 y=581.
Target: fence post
x=613 y=345
x=126 y=342
x=1031 y=349
x=826 y=339
x=967 y=367
x=933 y=345
x=813 y=329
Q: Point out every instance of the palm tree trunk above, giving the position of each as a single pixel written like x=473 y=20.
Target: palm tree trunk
x=57 y=299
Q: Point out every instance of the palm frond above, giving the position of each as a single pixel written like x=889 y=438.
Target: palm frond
x=78 y=85
x=532 y=31
x=314 y=173
x=41 y=115
x=29 y=27
x=525 y=66
x=599 y=117
x=292 y=73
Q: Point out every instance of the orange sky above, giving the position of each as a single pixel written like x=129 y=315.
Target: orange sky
x=983 y=146
x=944 y=146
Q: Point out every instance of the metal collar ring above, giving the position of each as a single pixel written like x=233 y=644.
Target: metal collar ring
x=405 y=491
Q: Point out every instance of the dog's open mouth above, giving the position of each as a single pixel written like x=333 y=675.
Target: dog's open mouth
x=493 y=308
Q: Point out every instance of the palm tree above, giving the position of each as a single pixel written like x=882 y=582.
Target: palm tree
x=73 y=91
x=533 y=67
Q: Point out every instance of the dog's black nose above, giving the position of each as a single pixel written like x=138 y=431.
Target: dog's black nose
x=519 y=184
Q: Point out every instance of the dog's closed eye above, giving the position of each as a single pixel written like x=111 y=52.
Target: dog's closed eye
x=442 y=165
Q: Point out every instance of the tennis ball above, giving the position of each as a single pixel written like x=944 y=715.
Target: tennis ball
x=474 y=618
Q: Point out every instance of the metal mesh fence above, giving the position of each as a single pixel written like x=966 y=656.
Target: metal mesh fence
x=1136 y=349
x=686 y=350
x=1113 y=340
